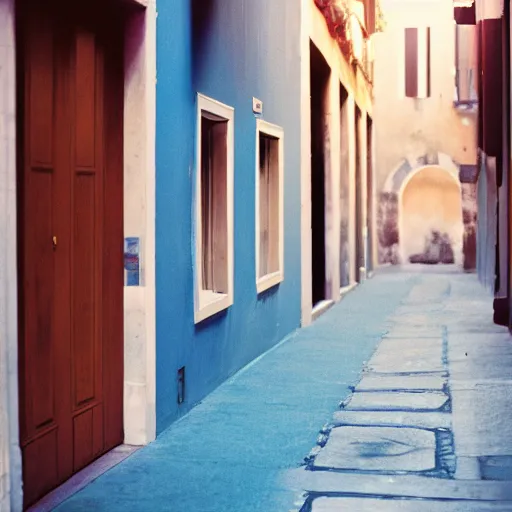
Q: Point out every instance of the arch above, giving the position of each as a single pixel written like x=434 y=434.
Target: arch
x=390 y=221
x=429 y=201
x=409 y=166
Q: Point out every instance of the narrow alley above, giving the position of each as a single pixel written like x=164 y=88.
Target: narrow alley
x=411 y=382
x=256 y=255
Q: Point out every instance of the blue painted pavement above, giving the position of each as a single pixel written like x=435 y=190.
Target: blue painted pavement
x=231 y=451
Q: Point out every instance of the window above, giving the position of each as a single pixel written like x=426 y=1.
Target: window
x=269 y=205
x=213 y=209
x=466 y=65
x=417 y=62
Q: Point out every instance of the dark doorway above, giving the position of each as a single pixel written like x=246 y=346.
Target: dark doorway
x=344 y=191
x=319 y=82
x=70 y=232
x=359 y=261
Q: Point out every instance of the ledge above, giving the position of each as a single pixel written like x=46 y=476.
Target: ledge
x=321 y=308
x=211 y=303
x=268 y=281
x=466 y=105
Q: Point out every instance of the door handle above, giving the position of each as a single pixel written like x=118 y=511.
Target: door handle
x=54 y=242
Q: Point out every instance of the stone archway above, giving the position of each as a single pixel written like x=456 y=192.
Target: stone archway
x=398 y=237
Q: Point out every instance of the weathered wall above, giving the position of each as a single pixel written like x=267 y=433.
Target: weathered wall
x=411 y=132
x=348 y=89
x=10 y=464
x=431 y=201
x=408 y=127
x=233 y=51
x=493 y=138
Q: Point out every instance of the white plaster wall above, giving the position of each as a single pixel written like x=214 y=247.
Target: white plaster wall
x=406 y=127
x=10 y=461
x=139 y=221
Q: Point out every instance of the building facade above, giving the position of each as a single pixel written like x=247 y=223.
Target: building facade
x=425 y=114
x=165 y=225
x=236 y=83
x=493 y=25
x=337 y=149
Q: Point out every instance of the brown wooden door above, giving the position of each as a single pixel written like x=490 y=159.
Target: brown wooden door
x=70 y=241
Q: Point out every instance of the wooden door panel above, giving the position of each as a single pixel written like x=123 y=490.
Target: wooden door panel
x=39 y=285
x=40 y=466
x=85 y=293
x=38 y=354
x=38 y=277
x=71 y=241
x=40 y=88
x=87 y=219
x=88 y=438
x=86 y=103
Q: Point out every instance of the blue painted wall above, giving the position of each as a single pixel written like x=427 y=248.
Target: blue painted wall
x=230 y=50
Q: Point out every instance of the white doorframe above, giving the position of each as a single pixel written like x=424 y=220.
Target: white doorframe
x=10 y=455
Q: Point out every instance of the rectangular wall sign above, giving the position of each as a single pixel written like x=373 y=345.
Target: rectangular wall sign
x=132 y=261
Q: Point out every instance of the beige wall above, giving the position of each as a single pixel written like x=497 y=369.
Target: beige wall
x=411 y=133
x=407 y=127
x=431 y=200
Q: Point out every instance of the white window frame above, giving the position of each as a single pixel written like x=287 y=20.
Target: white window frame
x=270 y=280
x=206 y=302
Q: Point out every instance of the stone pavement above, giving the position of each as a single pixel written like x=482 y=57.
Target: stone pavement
x=424 y=385
x=428 y=425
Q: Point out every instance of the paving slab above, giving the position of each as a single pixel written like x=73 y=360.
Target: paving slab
x=413 y=344
x=415 y=309
x=405 y=365
x=412 y=332
x=467 y=468
x=379 y=449
x=497 y=467
x=412 y=486
x=372 y=381
x=482 y=416
x=480 y=356
x=418 y=319
x=404 y=356
x=428 y=400
x=393 y=418
x=410 y=348
x=352 y=504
